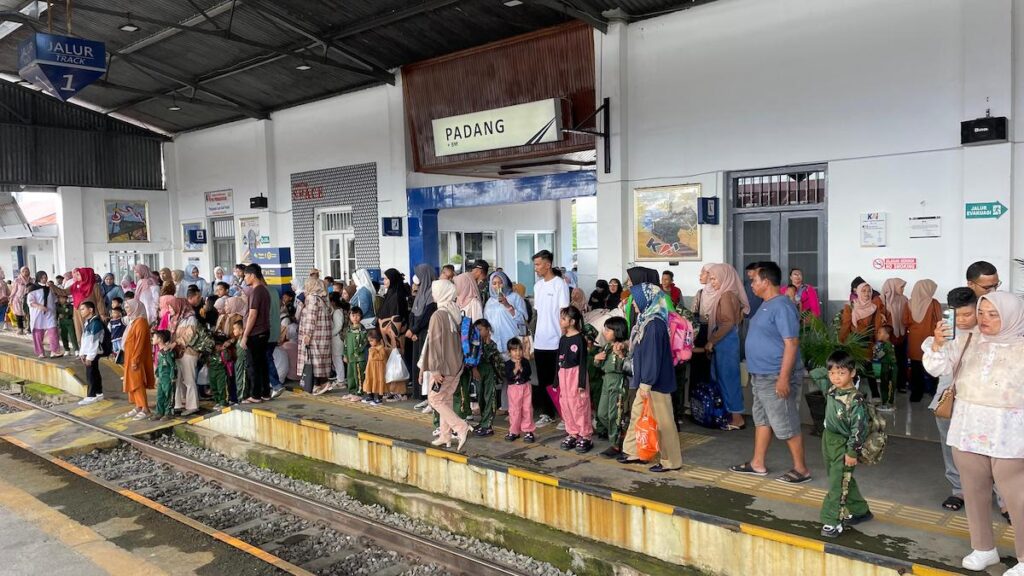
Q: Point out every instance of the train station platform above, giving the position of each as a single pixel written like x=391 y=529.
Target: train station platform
x=702 y=516
x=56 y=521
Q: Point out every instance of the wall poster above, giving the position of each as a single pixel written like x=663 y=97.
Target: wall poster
x=188 y=246
x=666 y=223
x=127 y=220
x=220 y=203
x=250 y=235
x=873 y=231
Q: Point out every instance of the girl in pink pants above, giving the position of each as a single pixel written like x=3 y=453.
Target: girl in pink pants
x=574 y=388
x=520 y=394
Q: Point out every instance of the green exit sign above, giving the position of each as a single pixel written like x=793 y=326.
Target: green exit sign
x=973 y=210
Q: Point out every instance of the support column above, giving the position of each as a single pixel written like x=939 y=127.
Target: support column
x=613 y=189
x=71 y=229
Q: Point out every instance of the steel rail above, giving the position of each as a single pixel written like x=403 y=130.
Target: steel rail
x=389 y=537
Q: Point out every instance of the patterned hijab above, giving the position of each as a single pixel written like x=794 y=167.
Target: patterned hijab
x=650 y=304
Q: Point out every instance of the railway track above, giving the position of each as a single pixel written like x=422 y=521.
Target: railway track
x=318 y=538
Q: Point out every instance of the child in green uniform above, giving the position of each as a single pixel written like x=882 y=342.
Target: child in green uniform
x=66 y=322
x=217 y=368
x=846 y=428
x=487 y=373
x=612 y=360
x=166 y=374
x=242 y=387
x=884 y=364
x=356 y=347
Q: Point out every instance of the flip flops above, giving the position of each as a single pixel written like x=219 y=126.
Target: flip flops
x=746 y=469
x=794 y=477
x=953 y=503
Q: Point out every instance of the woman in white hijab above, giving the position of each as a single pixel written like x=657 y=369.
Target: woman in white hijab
x=364 y=296
x=442 y=358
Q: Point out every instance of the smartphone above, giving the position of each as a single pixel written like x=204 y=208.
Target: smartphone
x=950 y=317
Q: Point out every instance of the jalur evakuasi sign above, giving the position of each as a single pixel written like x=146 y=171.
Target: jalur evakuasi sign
x=519 y=125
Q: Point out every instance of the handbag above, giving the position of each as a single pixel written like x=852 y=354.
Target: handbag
x=944 y=409
x=307 y=373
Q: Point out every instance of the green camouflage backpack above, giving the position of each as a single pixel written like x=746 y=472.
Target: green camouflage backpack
x=874 y=445
x=202 y=340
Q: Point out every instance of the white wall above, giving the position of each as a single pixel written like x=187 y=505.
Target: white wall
x=40 y=250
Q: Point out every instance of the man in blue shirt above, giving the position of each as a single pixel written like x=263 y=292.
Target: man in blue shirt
x=772 y=352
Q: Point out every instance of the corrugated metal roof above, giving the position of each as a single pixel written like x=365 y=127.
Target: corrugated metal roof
x=247 y=80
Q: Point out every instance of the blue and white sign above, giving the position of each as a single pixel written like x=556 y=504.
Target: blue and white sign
x=392 y=226
x=197 y=236
x=61 y=65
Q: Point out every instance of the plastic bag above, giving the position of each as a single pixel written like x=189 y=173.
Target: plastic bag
x=426 y=380
x=396 y=370
x=647 y=433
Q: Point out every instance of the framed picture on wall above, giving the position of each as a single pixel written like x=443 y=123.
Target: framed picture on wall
x=665 y=223
x=185 y=227
x=127 y=220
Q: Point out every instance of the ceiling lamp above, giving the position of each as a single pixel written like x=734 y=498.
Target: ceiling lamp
x=513 y=3
x=128 y=27
x=174 y=105
x=303 y=67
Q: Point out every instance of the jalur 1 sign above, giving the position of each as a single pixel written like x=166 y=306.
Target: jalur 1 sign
x=61 y=65
x=519 y=125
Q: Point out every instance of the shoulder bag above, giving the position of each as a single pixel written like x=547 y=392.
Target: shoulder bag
x=944 y=409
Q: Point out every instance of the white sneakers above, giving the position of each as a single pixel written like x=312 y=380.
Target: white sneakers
x=1017 y=570
x=978 y=560
x=90 y=399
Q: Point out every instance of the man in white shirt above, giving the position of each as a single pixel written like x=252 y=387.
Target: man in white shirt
x=550 y=295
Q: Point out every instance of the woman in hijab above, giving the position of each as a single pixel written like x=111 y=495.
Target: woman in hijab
x=166 y=277
x=5 y=300
x=986 y=432
x=396 y=297
x=599 y=297
x=505 y=310
x=654 y=378
x=180 y=286
x=614 y=294
x=636 y=276
x=423 y=307
x=468 y=299
x=18 y=294
x=147 y=292
x=364 y=295
x=85 y=288
x=182 y=322
x=442 y=358
x=577 y=297
x=920 y=318
x=199 y=282
x=315 y=335
x=700 y=363
x=138 y=359
x=727 y=307
x=110 y=289
x=42 y=304
x=895 y=303
x=866 y=314
x=127 y=284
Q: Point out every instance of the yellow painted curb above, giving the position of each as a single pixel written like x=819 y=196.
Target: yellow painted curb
x=196 y=420
x=375 y=439
x=264 y=413
x=315 y=424
x=919 y=570
x=643 y=503
x=527 y=475
x=776 y=536
x=447 y=455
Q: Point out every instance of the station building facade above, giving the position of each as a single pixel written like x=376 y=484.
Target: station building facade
x=828 y=132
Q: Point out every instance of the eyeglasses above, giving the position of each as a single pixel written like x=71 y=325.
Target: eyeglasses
x=990 y=287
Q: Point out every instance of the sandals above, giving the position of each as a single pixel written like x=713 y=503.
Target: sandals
x=953 y=503
x=794 y=477
x=729 y=427
x=746 y=469
x=658 y=469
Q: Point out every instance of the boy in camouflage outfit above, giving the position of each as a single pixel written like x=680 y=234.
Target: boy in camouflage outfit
x=166 y=375
x=356 y=346
x=491 y=367
x=846 y=429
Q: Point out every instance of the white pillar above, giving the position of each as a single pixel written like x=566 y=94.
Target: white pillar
x=613 y=189
x=71 y=229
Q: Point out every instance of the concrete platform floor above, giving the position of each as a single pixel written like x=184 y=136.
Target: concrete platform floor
x=905 y=491
x=56 y=522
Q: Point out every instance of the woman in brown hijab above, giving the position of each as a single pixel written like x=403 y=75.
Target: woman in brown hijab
x=920 y=318
x=895 y=303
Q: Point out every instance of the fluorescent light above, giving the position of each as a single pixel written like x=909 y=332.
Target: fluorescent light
x=128 y=27
x=33 y=9
x=303 y=67
x=513 y=3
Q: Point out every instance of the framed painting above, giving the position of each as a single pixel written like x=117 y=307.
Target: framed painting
x=127 y=220
x=185 y=228
x=665 y=223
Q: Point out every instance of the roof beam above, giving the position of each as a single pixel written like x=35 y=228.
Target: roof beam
x=166 y=33
x=206 y=16
x=572 y=8
x=162 y=96
x=225 y=36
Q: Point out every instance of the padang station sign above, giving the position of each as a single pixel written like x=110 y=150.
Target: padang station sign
x=519 y=125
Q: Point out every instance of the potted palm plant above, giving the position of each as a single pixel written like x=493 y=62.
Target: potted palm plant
x=818 y=340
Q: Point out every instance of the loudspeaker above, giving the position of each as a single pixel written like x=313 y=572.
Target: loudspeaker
x=983 y=130
x=258 y=202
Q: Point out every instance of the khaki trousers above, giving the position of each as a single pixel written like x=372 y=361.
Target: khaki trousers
x=668 y=437
x=977 y=474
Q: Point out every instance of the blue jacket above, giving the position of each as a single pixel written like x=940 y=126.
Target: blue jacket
x=652 y=359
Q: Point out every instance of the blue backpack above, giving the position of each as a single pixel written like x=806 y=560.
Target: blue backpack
x=471 y=345
x=706 y=406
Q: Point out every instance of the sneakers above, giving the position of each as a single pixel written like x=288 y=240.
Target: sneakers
x=1017 y=570
x=529 y=438
x=90 y=399
x=979 y=560
x=367 y=399
x=855 y=519
x=436 y=432
x=834 y=531
x=561 y=426
x=569 y=443
x=887 y=408
x=190 y=412
x=544 y=420
x=470 y=418
x=55 y=355
x=217 y=407
x=376 y=402
x=276 y=392
x=481 y=431
x=421 y=405
x=428 y=410
x=131 y=414
x=141 y=416
x=510 y=437
x=583 y=445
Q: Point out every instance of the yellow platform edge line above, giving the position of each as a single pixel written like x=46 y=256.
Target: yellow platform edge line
x=447 y=455
x=527 y=475
x=642 y=503
x=776 y=536
x=264 y=413
x=919 y=570
x=375 y=439
x=315 y=424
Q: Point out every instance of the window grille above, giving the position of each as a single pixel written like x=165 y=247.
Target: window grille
x=224 y=228
x=335 y=221
x=782 y=189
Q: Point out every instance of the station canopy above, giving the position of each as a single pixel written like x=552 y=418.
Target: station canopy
x=177 y=65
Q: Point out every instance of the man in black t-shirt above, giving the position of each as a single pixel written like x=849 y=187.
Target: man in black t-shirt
x=256 y=335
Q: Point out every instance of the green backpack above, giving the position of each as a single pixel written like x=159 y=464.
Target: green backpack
x=874 y=445
x=202 y=340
